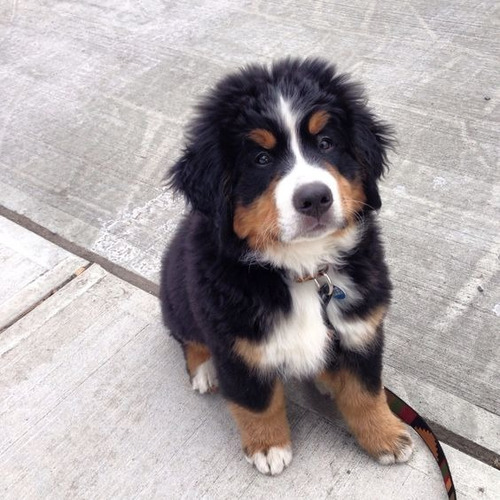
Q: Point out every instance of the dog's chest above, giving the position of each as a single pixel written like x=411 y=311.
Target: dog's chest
x=298 y=343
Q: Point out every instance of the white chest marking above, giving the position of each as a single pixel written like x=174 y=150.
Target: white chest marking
x=298 y=344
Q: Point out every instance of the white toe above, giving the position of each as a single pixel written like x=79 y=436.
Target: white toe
x=274 y=461
x=386 y=459
x=403 y=453
x=279 y=458
x=260 y=461
x=205 y=378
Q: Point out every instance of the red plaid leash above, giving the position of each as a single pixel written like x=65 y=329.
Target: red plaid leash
x=408 y=415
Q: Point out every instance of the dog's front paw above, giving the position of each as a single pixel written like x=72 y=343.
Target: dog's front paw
x=205 y=378
x=399 y=449
x=273 y=461
x=388 y=442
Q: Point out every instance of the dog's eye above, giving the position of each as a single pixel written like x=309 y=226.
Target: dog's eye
x=262 y=159
x=325 y=144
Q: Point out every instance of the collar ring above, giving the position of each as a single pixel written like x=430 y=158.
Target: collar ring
x=323 y=273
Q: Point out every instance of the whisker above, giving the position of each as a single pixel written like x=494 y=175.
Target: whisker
x=360 y=202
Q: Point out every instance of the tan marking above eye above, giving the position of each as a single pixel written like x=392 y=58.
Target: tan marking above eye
x=318 y=121
x=263 y=138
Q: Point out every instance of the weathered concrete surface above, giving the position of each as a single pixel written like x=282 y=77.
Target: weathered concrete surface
x=31 y=269
x=95 y=403
x=95 y=94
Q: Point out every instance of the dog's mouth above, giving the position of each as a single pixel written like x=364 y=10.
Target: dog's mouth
x=314 y=227
x=311 y=228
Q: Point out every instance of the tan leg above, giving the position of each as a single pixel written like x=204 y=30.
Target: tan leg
x=370 y=419
x=200 y=367
x=265 y=435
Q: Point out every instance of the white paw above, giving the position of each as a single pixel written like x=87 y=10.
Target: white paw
x=274 y=461
x=205 y=378
x=402 y=453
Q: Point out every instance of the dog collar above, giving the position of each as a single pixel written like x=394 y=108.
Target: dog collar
x=326 y=288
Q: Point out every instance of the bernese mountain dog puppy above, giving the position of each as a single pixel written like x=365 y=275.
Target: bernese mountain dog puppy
x=278 y=269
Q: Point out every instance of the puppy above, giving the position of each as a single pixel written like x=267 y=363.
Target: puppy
x=278 y=270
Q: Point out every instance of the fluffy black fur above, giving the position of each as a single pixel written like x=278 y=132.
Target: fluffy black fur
x=209 y=293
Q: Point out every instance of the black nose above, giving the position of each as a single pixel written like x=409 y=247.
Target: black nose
x=313 y=199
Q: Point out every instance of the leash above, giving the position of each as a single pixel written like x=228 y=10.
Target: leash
x=400 y=408
x=409 y=416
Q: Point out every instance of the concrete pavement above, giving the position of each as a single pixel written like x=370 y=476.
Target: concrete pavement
x=95 y=403
x=95 y=95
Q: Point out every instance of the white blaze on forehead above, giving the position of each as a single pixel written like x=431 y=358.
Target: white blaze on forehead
x=301 y=172
x=291 y=124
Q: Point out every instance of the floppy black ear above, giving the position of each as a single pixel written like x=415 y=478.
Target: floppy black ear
x=200 y=176
x=371 y=141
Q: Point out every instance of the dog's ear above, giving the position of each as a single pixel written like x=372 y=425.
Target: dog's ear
x=371 y=140
x=199 y=175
